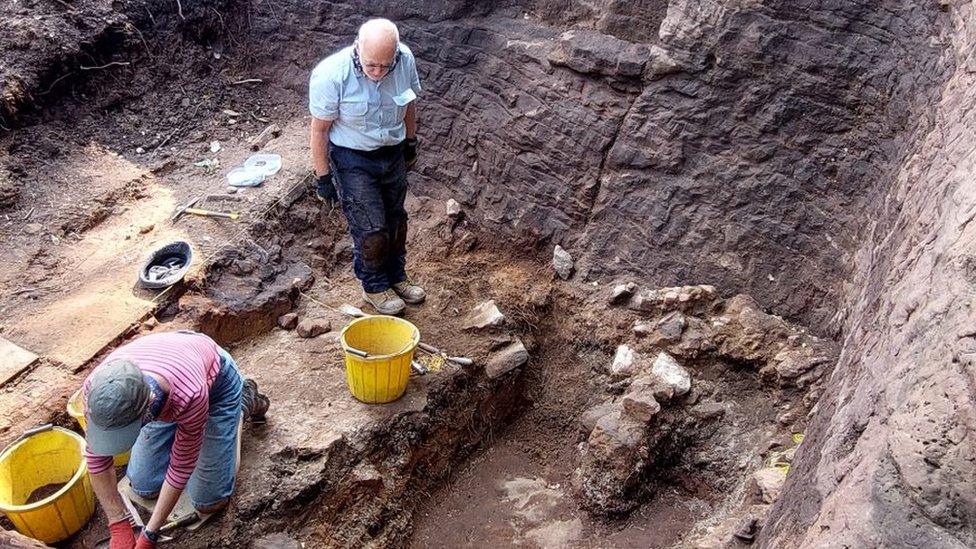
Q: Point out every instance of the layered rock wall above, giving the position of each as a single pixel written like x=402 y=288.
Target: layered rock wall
x=890 y=460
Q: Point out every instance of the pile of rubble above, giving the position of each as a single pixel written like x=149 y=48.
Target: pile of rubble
x=655 y=409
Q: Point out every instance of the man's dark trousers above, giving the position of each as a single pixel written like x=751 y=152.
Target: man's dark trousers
x=372 y=186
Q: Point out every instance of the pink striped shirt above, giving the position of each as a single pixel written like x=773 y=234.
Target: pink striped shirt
x=189 y=362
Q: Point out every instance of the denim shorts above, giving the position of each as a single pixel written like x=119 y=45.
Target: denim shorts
x=216 y=469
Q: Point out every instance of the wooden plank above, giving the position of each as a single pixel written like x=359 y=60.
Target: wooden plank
x=75 y=328
x=14 y=359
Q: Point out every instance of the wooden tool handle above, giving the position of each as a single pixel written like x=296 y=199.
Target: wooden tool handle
x=198 y=211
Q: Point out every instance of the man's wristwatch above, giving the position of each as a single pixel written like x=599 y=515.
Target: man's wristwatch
x=151 y=535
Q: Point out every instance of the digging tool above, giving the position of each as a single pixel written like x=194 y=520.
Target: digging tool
x=133 y=512
x=419 y=368
x=356 y=312
x=180 y=522
x=349 y=310
x=459 y=360
x=189 y=209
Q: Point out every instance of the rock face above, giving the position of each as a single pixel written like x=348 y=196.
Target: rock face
x=809 y=155
x=892 y=439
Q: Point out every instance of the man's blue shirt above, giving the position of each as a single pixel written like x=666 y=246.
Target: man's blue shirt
x=365 y=115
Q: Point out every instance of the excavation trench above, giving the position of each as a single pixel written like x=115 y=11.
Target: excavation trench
x=662 y=144
x=470 y=456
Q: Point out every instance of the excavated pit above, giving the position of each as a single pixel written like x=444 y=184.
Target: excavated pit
x=708 y=165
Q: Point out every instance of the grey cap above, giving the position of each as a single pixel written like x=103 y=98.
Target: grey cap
x=117 y=397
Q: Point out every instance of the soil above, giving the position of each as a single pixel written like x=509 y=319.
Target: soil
x=629 y=135
x=43 y=492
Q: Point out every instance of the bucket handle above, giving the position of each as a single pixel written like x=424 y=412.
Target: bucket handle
x=33 y=431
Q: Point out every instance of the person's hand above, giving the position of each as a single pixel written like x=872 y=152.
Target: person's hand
x=122 y=536
x=144 y=543
x=325 y=189
x=410 y=152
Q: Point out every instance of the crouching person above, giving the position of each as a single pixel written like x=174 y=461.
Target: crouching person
x=177 y=401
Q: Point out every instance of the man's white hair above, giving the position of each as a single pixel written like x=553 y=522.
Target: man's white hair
x=378 y=26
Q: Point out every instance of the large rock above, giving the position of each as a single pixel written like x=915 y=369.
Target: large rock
x=801 y=366
x=766 y=484
x=625 y=362
x=639 y=403
x=622 y=292
x=484 y=315
x=675 y=378
x=683 y=298
x=506 y=360
x=562 y=262
x=313 y=327
x=748 y=335
x=288 y=321
x=610 y=463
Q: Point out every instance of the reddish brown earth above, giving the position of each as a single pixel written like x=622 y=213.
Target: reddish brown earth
x=816 y=156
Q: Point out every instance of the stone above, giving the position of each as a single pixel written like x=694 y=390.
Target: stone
x=589 y=418
x=767 y=483
x=146 y=228
x=592 y=52
x=313 y=327
x=506 y=360
x=672 y=374
x=288 y=321
x=643 y=329
x=453 y=208
x=232 y=190
x=485 y=315
x=366 y=474
x=277 y=541
x=790 y=364
x=33 y=228
x=671 y=326
x=261 y=140
x=624 y=362
x=640 y=404
x=653 y=385
x=786 y=418
x=683 y=298
x=562 y=262
x=751 y=336
x=622 y=292
x=15 y=540
x=608 y=460
x=708 y=410
x=150 y=323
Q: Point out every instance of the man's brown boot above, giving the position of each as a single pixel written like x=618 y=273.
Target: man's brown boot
x=385 y=302
x=410 y=292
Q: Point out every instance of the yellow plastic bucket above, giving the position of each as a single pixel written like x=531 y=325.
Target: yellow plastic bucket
x=75 y=410
x=389 y=341
x=48 y=455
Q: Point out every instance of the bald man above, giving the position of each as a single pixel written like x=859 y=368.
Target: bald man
x=363 y=141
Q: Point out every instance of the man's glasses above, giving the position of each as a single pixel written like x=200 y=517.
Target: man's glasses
x=384 y=69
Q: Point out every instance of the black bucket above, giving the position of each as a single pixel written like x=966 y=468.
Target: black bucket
x=166 y=266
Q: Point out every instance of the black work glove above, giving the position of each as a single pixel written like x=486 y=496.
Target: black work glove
x=410 y=152
x=325 y=189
